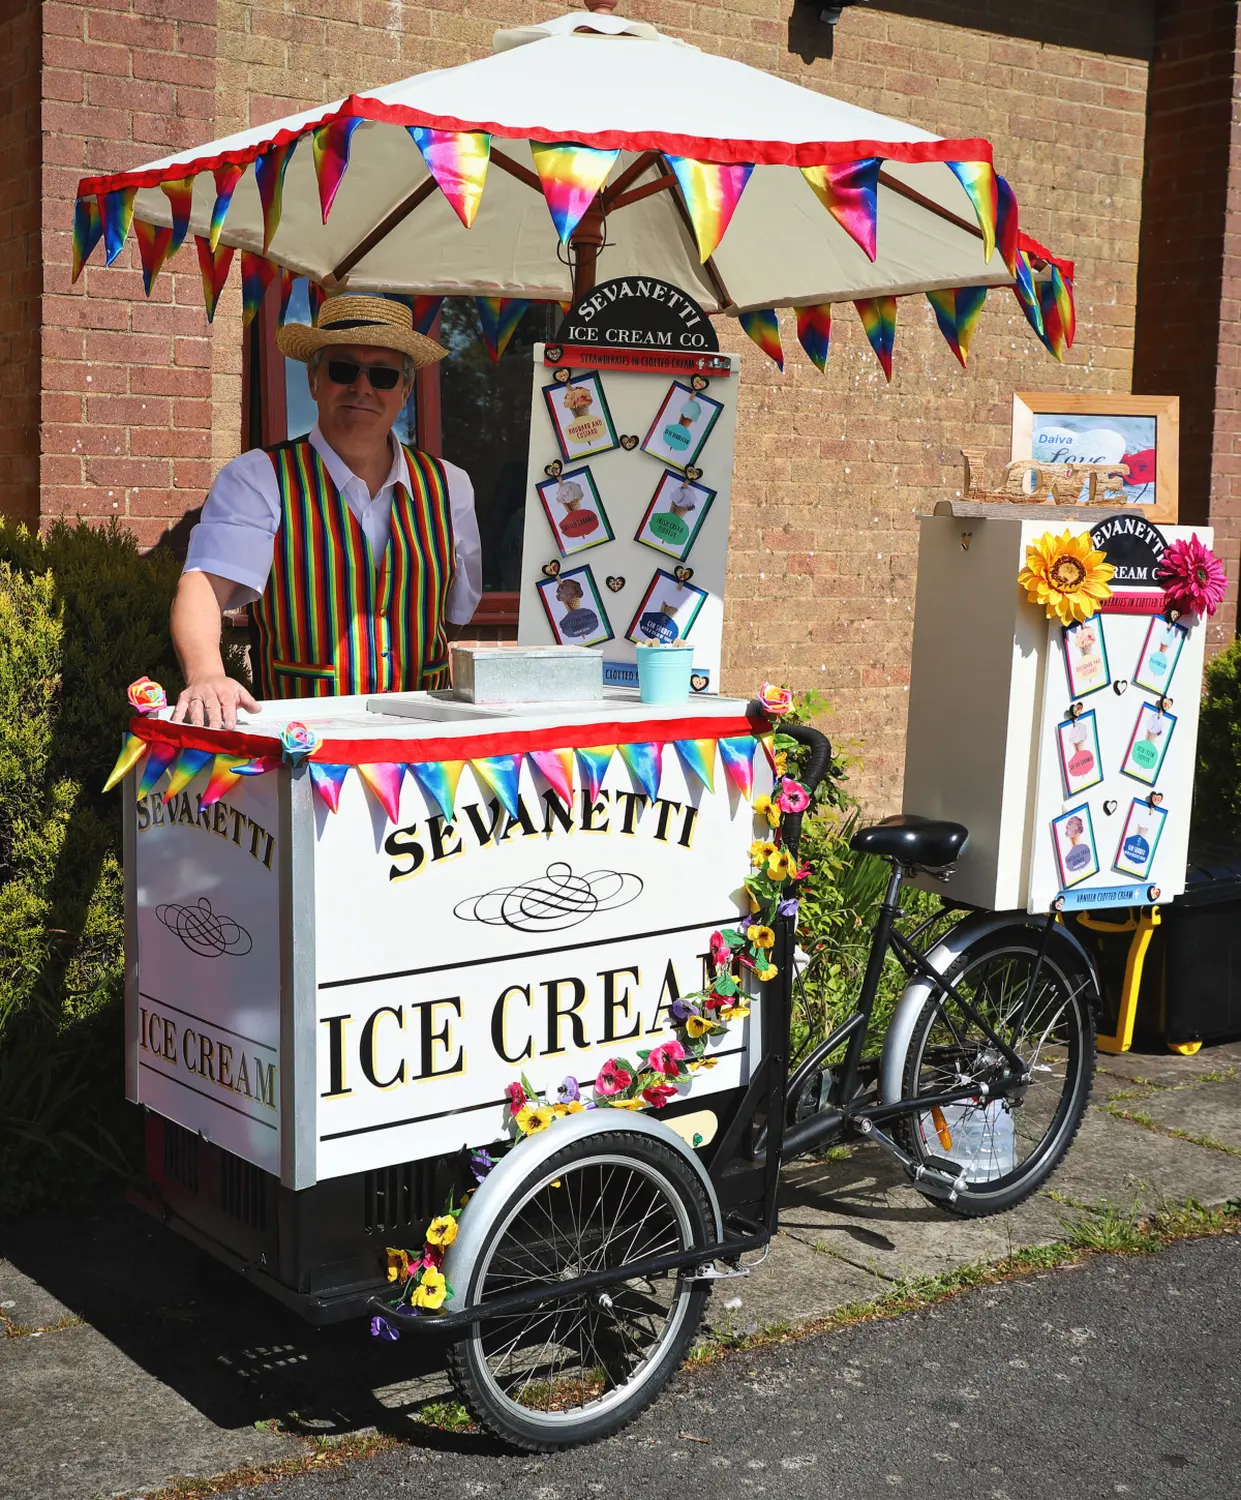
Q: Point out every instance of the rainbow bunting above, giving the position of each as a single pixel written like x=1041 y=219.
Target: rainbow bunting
x=87 y=232
x=1062 y=291
x=287 y=278
x=571 y=177
x=222 y=779
x=1053 y=328
x=957 y=312
x=132 y=752
x=226 y=180
x=329 y=146
x=763 y=326
x=557 y=767
x=646 y=764
x=499 y=317
x=502 y=774
x=1006 y=230
x=699 y=757
x=315 y=298
x=116 y=209
x=457 y=159
x=159 y=757
x=978 y=180
x=1023 y=290
x=849 y=192
x=814 y=331
x=384 y=779
x=188 y=764
x=327 y=782
x=269 y=170
x=425 y=310
x=438 y=780
x=154 y=247
x=594 y=763
x=878 y=315
x=738 y=757
x=180 y=195
x=711 y=191
x=257 y=765
x=257 y=274
x=214 y=266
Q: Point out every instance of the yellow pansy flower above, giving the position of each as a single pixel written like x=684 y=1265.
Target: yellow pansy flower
x=431 y=1290
x=736 y=1012
x=442 y=1231
x=574 y=1106
x=761 y=851
x=698 y=1025
x=765 y=807
x=782 y=762
x=532 y=1118
x=398 y=1265
x=761 y=937
x=781 y=865
x=628 y=1104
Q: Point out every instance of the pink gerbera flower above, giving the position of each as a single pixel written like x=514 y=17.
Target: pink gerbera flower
x=1193 y=577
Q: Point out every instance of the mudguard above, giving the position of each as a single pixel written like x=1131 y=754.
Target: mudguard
x=945 y=952
x=524 y=1160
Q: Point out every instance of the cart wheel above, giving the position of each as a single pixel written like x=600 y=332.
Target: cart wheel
x=571 y=1372
x=1186 y=1049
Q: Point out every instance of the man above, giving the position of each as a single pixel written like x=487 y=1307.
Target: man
x=354 y=552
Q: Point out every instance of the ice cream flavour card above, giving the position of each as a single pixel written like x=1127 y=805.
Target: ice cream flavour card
x=575 y=511
x=1140 y=839
x=1149 y=745
x=1085 y=657
x=1076 y=854
x=1160 y=653
x=579 y=412
x=1079 y=753
x=675 y=515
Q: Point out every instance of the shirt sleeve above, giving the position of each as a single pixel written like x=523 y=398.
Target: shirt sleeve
x=467 y=584
x=233 y=538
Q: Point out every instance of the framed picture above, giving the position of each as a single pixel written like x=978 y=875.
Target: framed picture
x=1161 y=651
x=1151 y=737
x=667 y=612
x=1076 y=854
x=574 y=609
x=579 y=412
x=575 y=511
x=1085 y=656
x=1140 y=839
x=1079 y=753
x=1142 y=432
x=682 y=426
x=675 y=515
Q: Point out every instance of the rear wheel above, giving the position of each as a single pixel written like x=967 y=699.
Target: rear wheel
x=574 y=1370
x=1005 y=1147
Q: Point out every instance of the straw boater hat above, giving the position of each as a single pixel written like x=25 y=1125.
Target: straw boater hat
x=359 y=320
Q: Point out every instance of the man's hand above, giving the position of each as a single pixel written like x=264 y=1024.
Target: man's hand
x=213 y=702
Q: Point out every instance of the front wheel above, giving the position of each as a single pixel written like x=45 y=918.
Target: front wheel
x=577 y=1369
x=1005 y=1147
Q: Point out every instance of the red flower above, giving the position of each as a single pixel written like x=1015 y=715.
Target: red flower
x=666 y=1059
x=658 y=1094
x=516 y=1098
x=612 y=1078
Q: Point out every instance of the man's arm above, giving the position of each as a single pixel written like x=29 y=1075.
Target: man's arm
x=211 y=697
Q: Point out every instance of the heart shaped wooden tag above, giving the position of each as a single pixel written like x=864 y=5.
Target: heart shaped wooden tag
x=1110 y=806
x=552 y=569
x=699 y=382
x=554 y=469
x=615 y=583
x=1155 y=799
x=698 y=681
x=629 y=442
x=553 y=352
x=562 y=376
x=682 y=575
x=1152 y=893
x=1120 y=686
x=692 y=473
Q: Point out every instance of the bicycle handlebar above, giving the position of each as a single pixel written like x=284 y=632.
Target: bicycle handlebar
x=820 y=763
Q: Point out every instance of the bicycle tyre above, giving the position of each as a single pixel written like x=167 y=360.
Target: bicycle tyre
x=1066 y=1054
x=547 y=1228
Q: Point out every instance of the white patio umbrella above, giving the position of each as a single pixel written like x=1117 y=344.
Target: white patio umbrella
x=655 y=159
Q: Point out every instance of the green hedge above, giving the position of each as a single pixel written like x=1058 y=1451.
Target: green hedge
x=1217 y=786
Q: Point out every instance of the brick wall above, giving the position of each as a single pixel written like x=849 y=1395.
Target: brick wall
x=19 y=268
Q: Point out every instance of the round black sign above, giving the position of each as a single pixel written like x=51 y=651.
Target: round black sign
x=1134 y=547
x=638 y=312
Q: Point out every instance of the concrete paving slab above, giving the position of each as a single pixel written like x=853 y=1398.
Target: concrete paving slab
x=25 y=1304
x=1205 y=1109
x=795 y=1284
x=1166 y=1067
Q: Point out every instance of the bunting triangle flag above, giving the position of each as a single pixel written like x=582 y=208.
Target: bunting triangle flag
x=116 y=210
x=1006 y=228
x=711 y=191
x=226 y=180
x=978 y=180
x=1053 y=328
x=214 y=266
x=87 y=231
x=159 y=757
x=1023 y=290
x=257 y=765
x=594 y=763
x=1062 y=291
x=269 y=170
x=878 y=315
x=737 y=754
x=384 y=779
x=457 y=159
x=425 y=311
x=438 y=779
x=571 y=177
x=223 y=778
x=557 y=767
x=180 y=195
x=849 y=190
x=646 y=764
x=814 y=331
x=957 y=314
x=699 y=757
x=327 y=782
x=187 y=765
x=499 y=317
x=329 y=146
x=763 y=326
x=502 y=773
x=287 y=278
x=257 y=274
x=132 y=752
x=315 y=297
x=154 y=248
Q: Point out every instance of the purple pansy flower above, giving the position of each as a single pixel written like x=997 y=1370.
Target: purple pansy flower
x=382 y=1329
x=569 y=1092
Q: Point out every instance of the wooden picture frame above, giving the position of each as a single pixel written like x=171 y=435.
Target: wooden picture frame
x=1161 y=411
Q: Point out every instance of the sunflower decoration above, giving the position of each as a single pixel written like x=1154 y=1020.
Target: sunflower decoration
x=1066 y=575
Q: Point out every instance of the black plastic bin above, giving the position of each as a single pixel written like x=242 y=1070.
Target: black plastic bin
x=1202 y=950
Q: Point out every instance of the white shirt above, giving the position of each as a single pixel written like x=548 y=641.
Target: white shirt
x=241 y=516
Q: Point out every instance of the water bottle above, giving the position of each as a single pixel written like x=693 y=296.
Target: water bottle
x=983 y=1138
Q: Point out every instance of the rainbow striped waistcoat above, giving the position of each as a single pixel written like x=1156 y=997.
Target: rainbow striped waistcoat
x=329 y=620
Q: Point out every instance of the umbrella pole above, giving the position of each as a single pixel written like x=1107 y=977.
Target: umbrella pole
x=586 y=242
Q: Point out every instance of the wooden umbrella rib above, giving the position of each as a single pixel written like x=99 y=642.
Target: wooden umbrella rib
x=915 y=197
x=660 y=185
x=515 y=169
x=385 y=227
x=627 y=178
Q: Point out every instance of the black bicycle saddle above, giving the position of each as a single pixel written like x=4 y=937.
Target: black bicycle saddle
x=913 y=840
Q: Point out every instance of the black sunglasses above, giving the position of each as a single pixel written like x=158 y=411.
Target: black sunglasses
x=346 y=372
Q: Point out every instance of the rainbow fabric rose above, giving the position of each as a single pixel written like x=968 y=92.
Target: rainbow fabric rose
x=146 y=696
x=297 y=742
x=775 y=701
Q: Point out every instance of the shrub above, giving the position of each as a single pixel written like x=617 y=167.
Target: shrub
x=1217 y=786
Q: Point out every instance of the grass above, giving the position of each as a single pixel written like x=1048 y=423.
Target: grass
x=1137 y=1117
